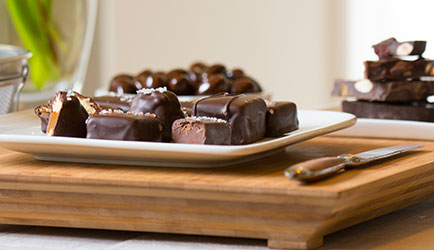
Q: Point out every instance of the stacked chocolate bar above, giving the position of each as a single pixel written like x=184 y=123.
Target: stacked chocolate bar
x=397 y=86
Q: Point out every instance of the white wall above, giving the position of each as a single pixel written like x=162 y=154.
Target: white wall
x=293 y=48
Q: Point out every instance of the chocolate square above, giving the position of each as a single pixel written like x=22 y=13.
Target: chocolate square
x=281 y=118
x=245 y=114
x=201 y=130
x=123 y=126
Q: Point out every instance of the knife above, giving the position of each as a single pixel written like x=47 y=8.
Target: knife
x=317 y=169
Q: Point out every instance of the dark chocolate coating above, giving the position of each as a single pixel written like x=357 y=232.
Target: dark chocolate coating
x=216 y=83
x=181 y=85
x=245 y=85
x=201 y=131
x=113 y=102
x=235 y=74
x=70 y=120
x=392 y=48
x=395 y=69
x=215 y=69
x=140 y=79
x=165 y=105
x=176 y=72
x=417 y=111
x=391 y=91
x=123 y=84
x=122 y=126
x=43 y=112
x=155 y=81
x=196 y=71
x=281 y=118
x=245 y=114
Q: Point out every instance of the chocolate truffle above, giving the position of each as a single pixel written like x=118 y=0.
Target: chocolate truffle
x=281 y=118
x=161 y=102
x=215 y=69
x=140 y=79
x=245 y=85
x=214 y=84
x=123 y=84
x=245 y=114
x=124 y=126
x=181 y=84
x=201 y=130
x=235 y=74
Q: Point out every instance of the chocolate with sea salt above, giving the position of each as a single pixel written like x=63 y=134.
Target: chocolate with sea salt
x=201 y=130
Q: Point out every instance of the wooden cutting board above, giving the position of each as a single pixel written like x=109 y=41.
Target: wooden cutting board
x=252 y=199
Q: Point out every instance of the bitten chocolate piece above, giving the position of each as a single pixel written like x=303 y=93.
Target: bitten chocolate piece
x=281 y=118
x=68 y=116
x=392 y=91
x=161 y=102
x=123 y=84
x=392 y=48
x=43 y=112
x=394 y=69
x=417 y=111
x=245 y=114
x=124 y=126
x=114 y=102
x=201 y=130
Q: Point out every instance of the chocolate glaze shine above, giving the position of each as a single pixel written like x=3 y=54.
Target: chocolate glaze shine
x=215 y=84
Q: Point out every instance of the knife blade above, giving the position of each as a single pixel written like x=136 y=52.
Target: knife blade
x=317 y=169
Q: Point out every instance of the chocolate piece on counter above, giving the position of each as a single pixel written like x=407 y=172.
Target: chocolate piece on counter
x=214 y=84
x=416 y=111
x=43 y=112
x=201 y=130
x=181 y=84
x=281 y=118
x=67 y=117
x=395 y=69
x=140 y=79
x=123 y=84
x=245 y=85
x=393 y=91
x=245 y=114
x=113 y=102
x=164 y=104
x=123 y=126
x=392 y=48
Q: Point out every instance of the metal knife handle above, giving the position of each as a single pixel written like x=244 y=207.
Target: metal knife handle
x=315 y=169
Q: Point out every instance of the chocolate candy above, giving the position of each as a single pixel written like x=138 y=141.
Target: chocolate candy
x=245 y=85
x=215 y=69
x=123 y=126
x=393 y=91
x=235 y=74
x=416 y=111
x=43 y=112
x=181 y=84
x=245 y=114
x=123 y=84
x=164 y=104
x=186 y=107
x=140 y=79
x=394 y=69
x=201 y=130
x=113 y=102
x=392 y=48
x=214 y=84
x=197 y=69
x=67 y=117
x=281 y=118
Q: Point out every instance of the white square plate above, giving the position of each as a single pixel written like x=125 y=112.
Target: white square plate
x=21 y=132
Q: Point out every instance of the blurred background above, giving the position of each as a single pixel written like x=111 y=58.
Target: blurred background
x=294 y=48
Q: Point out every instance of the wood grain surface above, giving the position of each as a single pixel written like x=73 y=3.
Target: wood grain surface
x=252 y=199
